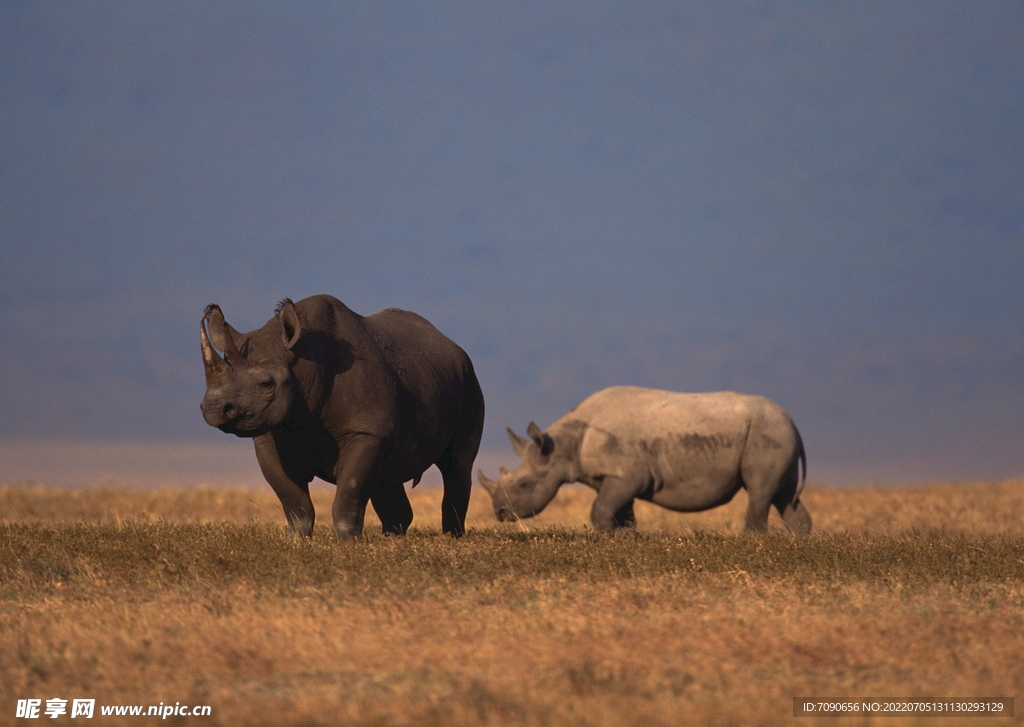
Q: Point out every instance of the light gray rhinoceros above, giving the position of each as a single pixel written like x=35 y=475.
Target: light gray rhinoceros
x=686 y=452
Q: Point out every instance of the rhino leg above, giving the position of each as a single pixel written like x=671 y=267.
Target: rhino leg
x=291 y=491
x=457 y=475
x=613 y=506
x=355 y=477
x=769 y=479
x=760 y=489
x=392 y=507
x=624 y=517
x=796 y=517
x=456 y=464
x=786 y=499
x=758 y=504
x=787 y=502
x=349 y=509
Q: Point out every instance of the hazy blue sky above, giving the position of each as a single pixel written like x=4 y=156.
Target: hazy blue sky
x=821 y=202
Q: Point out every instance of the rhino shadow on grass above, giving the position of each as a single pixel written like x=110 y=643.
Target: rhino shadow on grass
x=685 y=452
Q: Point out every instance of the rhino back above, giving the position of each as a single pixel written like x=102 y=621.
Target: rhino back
x=692 y=442
x=427 y=363
x=343 y=373
x=433 y=375
x=643 y=413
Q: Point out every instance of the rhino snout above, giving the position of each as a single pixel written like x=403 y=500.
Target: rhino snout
x=220 y=414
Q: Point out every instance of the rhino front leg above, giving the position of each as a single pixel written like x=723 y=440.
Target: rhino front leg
x=613 y=508
x=624 y=517
x=355 y=476
x=291 y=491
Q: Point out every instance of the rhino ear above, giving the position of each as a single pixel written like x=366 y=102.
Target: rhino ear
x=291 y=327
x=544 y=441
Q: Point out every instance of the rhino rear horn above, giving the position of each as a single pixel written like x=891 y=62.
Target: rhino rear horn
x=518 y=443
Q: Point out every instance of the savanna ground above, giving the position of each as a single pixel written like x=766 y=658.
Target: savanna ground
x=200 y=597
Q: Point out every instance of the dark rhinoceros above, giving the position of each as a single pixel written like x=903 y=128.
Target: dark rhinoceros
x=366 y=403
x=686 y=452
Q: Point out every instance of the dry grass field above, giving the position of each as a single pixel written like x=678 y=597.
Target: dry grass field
x=199 y=597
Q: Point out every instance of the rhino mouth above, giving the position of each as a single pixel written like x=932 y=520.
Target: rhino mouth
x=508 y=515
x=240 y=429
x=232 y=428
x=233 y=419
x=244 y=425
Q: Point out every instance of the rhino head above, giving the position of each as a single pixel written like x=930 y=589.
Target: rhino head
x=527 y=490
x=250 y=389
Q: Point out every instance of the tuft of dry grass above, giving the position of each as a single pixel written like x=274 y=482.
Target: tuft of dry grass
x=201 y=597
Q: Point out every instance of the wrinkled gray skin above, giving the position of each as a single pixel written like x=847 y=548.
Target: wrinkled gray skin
x=366 y=403
x=685 y=452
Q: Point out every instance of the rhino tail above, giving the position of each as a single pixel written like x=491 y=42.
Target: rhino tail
x=801 y=454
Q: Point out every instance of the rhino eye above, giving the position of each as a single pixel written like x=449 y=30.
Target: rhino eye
x=266 y=384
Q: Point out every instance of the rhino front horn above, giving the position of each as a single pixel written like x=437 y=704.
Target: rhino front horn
x=212 y=361
x=490 y=485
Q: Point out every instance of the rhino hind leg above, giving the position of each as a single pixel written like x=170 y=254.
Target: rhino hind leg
x=392 y=507
x=787 y=503
x=457 y=476
x=770 y=481
x=456 y=464
x=756 y=520
x=796 y=517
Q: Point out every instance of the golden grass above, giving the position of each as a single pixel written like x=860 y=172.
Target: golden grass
x=199 y=597
x=977 y=508
x=729 y=651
